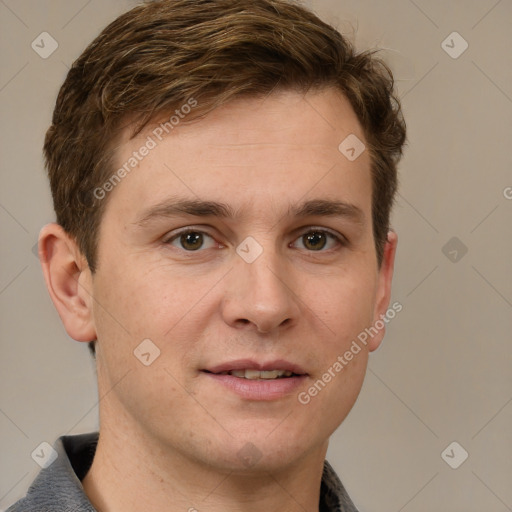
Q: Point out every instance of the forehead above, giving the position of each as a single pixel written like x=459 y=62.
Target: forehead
x=279 y=148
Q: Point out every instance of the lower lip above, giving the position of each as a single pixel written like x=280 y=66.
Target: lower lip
x=259 y=389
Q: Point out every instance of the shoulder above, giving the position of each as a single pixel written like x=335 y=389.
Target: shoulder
x=58 y=487
x=333 y=496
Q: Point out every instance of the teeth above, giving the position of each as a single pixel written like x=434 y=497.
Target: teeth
x=257 y=374
x=238 y=373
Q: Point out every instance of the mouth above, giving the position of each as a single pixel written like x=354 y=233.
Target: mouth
x=252 y=374
x=252 y=380
x=254 y=370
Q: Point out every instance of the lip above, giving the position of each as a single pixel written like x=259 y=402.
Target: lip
x=258 y=390
x=251 y=364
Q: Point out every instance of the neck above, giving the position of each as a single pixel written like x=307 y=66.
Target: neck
x=129 y=473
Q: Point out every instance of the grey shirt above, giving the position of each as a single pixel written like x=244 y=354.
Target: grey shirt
x=58 y=487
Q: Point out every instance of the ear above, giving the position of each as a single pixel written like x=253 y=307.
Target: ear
x=383 y=291
x=69 y=281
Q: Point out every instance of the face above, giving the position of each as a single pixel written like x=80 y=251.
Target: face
x=241 y=247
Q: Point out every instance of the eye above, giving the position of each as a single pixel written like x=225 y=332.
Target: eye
x=191 y=240
x=318 y=240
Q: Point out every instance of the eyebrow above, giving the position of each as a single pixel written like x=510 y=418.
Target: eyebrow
x=198 y=208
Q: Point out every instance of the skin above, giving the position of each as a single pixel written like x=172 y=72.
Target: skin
x=170 y=436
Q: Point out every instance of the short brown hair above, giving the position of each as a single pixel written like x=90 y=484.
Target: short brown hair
x=160 y=54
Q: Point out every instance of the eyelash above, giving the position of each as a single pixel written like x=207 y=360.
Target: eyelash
x=341 y=240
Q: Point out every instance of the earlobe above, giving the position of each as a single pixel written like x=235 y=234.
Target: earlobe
x=68 y=279
x=383 y=295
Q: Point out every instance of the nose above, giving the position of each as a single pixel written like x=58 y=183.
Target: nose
x=261 y=295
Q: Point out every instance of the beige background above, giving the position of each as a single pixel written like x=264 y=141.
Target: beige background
x=444 y=372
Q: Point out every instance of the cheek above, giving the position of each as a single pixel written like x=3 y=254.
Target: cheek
x=131 y=308
x=347 y=388
x=128 y=313
x=136 y=299
x=333 y=392
x=349 y=307
x=123 y=312
x=348 y=311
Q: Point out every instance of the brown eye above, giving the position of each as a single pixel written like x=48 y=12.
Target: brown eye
x=317 y=240
x=191 y=241
x=314 y=240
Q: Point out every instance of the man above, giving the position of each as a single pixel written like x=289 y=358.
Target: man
x=222 y=174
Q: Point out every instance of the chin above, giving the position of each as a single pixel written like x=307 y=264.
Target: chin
x=263 y=453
